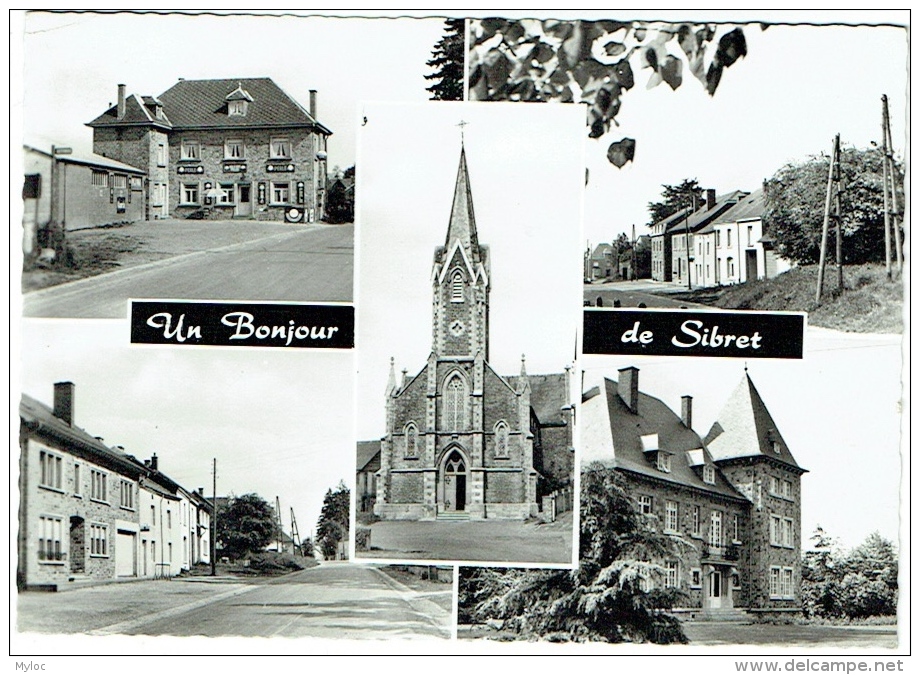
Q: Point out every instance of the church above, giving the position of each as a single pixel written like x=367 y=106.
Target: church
x=463 y=442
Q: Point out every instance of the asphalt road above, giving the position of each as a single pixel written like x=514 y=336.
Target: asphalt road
x=333 y=600
x=306 y=265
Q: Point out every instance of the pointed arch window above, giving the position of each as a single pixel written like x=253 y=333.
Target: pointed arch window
x=501 y=439
x=455 y=398
x=456 y=286
x=411 y=440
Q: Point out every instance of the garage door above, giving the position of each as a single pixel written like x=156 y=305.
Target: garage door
x=126 y=554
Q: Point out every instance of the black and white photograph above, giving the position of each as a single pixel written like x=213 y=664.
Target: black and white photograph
x=467 y=326
x=214 y=158
x=128 y=454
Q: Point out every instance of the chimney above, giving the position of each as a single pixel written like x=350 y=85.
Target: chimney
x=710 y=199
x=628 y=387
x=63 y=401
x=153 y=462
x=121 y=101
x=200 y=491
x=313 y=103
x=686 y=411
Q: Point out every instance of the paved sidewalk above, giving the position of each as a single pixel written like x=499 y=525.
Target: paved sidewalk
x=481 y=541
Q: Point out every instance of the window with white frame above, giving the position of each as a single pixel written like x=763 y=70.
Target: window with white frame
x=664 y=462
x=281 y=193
x=695 y=521
x=709 y=474
x=411 y=440
x=227 y=191
x=52 y=467
x=50 y=532
x=234 y=149
x=501 y=439
x=98 y=486
x=645 y=504
x=715 y=528
x=100 y=178
x=455 y=403
x=786 y=587
x=728 y=238
x=280 y=148
x=775 y=582
x=736 y=527
x=127 y=495
x=781 y=583
x=672 y=574
x=776 y=526
x=696 y=578
x=671 y=516
x=119 y=180
x=190 y=192
x=731 y=266
x=787 y=533
x=161 y=154
x=774 y=486
x=191 y=150
x=99 y=540
x=787 y=489
x=237 y=108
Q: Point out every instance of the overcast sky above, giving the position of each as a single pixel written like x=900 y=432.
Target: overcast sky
x=278 y=421
x=74 y=62
x=838 y=410
x=526 y=175
x=797 y=87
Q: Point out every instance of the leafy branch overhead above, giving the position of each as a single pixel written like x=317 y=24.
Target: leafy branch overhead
x=593 y=62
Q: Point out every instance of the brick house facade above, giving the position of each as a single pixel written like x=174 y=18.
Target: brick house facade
x=82 y=509
x=462 y=441
x=734 y=494
x=236 y=148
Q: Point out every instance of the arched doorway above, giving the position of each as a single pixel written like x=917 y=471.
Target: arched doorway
x=453 y=483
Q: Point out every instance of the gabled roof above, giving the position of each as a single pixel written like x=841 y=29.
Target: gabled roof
x=652 y=416
x=367 y=452
x=601 y=251
x=547 y=395
x=462 y=225
x=89 y=159
x=667 y=221
x=136 y=113
x=745 y=428
x=747 y=208
x=704 y=215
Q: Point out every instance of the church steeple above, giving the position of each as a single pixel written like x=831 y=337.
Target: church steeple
x=460 y=280
x=462 y=225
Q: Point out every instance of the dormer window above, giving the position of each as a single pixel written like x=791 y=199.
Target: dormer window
x=664 y=462
x=709 y=474
x=238 y=108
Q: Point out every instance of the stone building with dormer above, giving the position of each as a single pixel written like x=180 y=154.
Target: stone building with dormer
x=219 y=149
x=732 y=496
x=463 y=441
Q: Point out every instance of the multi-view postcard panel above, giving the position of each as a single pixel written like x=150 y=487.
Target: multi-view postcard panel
x=603 y=343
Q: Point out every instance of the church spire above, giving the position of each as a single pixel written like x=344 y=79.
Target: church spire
x=391 y=380
x=462 y=224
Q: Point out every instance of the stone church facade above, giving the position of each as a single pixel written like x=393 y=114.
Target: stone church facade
x=733 y=495
x=462 y=441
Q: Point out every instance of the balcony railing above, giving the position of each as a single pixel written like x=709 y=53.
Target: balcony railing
x=730 y=552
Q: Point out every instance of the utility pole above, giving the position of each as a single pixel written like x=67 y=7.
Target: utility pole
x=891 y=186
x=214 y=519
x=279 y=537
x=833 y=174
x=687 y=226
x=295 y=534
x=635 y=271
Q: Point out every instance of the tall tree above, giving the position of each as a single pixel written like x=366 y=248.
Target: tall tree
x=593 y=62
x=332 y=526
x=606 y=598
x=447 y=59
x=674 y=198
x=245 y=525
x=794 y=202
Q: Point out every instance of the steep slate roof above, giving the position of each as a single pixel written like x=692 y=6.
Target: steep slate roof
x=669 y=220
x=654 y=417
x=745 y=428
x=462 y=224
x=40 y=417
x=135 y=113
x=547 y=395
x=748 y=208
x=201 y=104
x=703 y=216
x=367 y=452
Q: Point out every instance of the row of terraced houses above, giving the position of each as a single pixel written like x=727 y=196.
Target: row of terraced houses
x=89 y=512
x=720 y=243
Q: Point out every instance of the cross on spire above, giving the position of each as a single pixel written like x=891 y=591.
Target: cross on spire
x=462 y=124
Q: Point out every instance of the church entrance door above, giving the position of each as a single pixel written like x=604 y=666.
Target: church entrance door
x=454 y=482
